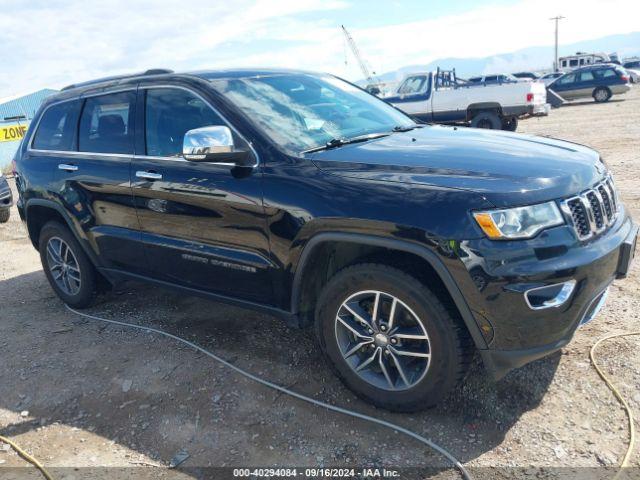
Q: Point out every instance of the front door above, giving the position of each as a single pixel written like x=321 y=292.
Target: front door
x=413 y=96
x=566 y=86
x=203 y=224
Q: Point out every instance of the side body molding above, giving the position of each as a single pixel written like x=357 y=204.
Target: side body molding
x=392 y=244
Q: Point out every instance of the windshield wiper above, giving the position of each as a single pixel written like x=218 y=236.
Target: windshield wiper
x=339 y=142
x=400 y=128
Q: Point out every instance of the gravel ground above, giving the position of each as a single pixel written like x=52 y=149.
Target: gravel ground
x=81 y=395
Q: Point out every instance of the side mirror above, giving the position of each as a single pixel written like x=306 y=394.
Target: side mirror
x=212 y=144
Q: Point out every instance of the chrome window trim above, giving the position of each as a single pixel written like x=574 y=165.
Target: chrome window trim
x=75 y=153
x=30 y=148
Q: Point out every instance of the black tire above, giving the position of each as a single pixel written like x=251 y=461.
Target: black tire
x=87 y=273
x=5 y=213
x=450 y=345
x=486 y=119
x=510 y=124
x=602 y=94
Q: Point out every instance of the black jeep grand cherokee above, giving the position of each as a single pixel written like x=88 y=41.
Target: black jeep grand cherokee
x=407 y=246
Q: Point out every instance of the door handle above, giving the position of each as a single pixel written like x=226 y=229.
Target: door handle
x=67 y=168
x=148 y=175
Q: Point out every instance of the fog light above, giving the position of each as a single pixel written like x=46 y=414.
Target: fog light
x=549 y=296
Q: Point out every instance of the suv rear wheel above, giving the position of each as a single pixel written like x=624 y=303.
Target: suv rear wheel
x=390 y=339
x=601 y=94
x=67 y=267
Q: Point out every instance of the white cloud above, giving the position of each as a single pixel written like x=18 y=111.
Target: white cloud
x=496 y=29
x=52 y=43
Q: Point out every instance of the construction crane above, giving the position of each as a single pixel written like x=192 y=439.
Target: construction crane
x=371 y=84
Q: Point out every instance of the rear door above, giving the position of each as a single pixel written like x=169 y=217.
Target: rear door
x=585 y=83
x=93 y=181
x=203 y=224
x=53 y=142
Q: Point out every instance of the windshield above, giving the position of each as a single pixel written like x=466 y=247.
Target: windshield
x=302 y=111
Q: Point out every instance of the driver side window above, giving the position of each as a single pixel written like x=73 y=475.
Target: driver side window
x=169 y=114
x=567 y=79
x=413 y=85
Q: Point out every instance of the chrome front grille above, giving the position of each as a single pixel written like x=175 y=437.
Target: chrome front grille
x=593 y=210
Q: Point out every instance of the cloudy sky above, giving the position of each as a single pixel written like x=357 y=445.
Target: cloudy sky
x=50 y=43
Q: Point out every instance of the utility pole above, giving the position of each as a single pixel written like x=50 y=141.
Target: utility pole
x=555 y=62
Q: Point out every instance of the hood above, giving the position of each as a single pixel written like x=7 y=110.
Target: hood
x=506 y=168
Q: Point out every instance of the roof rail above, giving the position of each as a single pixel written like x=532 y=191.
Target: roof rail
x=151 y=71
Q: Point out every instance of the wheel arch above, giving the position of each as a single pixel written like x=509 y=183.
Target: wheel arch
x=475 y=108
x=313 y=248
x=39 y=211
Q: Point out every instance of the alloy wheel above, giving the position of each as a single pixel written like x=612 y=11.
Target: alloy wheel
x=383 y=341
x=63 y=266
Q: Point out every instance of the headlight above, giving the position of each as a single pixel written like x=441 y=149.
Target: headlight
x=519 y=222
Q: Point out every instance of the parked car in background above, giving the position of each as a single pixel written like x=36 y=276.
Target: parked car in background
x=493 y=79
x=526 y=76
x=6 y=199
x=550 y=77
x=442 y=98
x=598 y=81
x=303 y=196
x=633 y=69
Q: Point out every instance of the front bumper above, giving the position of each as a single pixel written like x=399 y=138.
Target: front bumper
x=500 y=272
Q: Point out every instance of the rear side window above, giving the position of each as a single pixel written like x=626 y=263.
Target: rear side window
x=106 y=124
x=169 y=114
x=586 y=76
x=57 y=126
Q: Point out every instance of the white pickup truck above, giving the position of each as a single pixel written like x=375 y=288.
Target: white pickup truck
x=440 y=97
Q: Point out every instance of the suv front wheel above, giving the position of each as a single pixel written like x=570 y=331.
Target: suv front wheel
x=390 y=339
x=68 y=269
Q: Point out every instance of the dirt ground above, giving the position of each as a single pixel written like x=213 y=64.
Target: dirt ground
x=81 y=395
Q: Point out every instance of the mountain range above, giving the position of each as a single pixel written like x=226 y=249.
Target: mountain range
x=527 y=59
